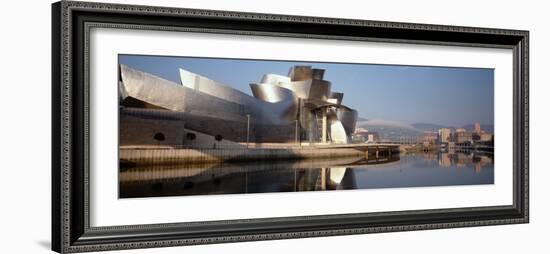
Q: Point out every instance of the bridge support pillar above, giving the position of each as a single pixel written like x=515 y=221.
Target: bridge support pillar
x=324 y=127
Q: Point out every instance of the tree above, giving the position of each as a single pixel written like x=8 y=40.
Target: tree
x=159 y=137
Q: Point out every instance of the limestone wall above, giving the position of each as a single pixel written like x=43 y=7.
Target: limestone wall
x=175 y=156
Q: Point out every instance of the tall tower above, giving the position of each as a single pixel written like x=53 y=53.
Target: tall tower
x=444 y=135
x=477 y=128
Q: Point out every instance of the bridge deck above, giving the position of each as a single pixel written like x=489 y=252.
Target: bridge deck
x=360 y=146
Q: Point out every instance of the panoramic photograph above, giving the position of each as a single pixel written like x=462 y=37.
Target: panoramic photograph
x=206 y=126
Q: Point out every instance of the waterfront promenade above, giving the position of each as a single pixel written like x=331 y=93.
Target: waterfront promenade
x=151 y=155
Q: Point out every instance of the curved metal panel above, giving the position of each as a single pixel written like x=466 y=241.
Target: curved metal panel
x=268 y=112
x=274 y=103
x=151 y=89
x=299 y=88
x=275 y=79
x=320 y=89
x=348 y=117
x=337 y=132
x=211 y=87
x=317 y=74
x=338 y=96
x=271 y=93
x=300 y=73
x=309 y=89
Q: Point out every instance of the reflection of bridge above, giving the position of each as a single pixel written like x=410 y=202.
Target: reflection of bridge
x=384 y=146
x=371 y=150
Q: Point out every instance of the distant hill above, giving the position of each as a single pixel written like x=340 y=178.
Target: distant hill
x=436 y=127
x=428 y=126
x=486 y=127
x=385 y=123
x=390 y=129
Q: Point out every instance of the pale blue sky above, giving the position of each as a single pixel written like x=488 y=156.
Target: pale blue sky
x=407 y=94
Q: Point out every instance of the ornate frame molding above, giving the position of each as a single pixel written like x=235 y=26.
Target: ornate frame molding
x=71 y=23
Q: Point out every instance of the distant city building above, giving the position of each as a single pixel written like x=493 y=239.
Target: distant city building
x=458 y=130
x=451 y=147
x=429 y=138
x=484 y=137
x=444 y=135
x=463 y=137
x=477 y=128
x=362 y=135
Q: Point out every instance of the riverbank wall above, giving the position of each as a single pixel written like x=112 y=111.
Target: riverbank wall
x=162 y=156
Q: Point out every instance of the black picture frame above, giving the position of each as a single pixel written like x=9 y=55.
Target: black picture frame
x=71 y=231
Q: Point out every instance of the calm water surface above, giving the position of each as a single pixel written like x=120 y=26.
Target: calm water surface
x=405 y=170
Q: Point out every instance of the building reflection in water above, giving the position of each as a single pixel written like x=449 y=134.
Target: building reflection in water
x=232 y=178
x=405 y=170
x=466 y=159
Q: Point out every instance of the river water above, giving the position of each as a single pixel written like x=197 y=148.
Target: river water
x=398 y=171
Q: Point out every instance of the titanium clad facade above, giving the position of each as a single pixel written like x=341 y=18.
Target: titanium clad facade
x=297 y=108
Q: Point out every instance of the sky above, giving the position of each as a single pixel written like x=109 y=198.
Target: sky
x=408 y=94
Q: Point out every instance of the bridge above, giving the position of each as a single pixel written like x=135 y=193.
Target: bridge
x=375 y=150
